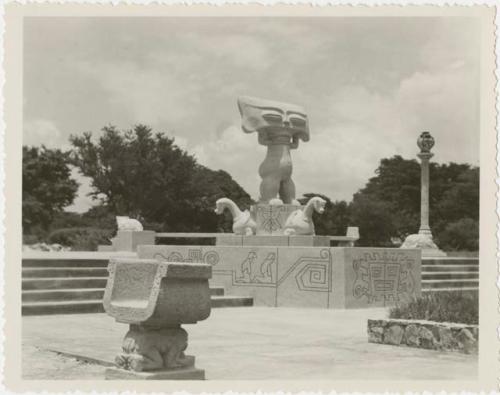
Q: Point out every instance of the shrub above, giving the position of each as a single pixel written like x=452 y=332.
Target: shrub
x=81 y=238
x=446 y=306
x=460 y=235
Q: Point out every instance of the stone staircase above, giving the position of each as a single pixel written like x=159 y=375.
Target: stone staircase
x=69 y=285
x=450 y=274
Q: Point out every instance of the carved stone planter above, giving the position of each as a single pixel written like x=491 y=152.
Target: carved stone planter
x=155 y=298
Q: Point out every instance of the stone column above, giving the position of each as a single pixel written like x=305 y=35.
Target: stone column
x=423 y=240
x=424 y=194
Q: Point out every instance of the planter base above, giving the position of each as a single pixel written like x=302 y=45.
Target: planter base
x=190 y=373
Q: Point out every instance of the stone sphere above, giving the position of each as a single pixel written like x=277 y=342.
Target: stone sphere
x=425 y=142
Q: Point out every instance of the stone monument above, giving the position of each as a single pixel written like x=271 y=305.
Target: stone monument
x=274 y=255
x=280 y=127
x=154 y=298
x=423 y=240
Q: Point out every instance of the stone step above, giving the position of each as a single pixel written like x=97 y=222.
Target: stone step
x=231 y=301
x=65 y=272
x=450 y=268
x=80 y=294
x=95 y=306
x=63 y=283
x=462 y=289
x=450 y=261
x=71 y=262
x=450 y=283
x=450 y=275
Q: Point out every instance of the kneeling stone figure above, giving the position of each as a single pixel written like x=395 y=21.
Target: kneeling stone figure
x=145 y=349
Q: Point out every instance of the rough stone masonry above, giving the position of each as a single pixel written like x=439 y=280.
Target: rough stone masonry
x=425 y=334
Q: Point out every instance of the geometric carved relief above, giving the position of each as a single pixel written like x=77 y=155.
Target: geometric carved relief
x=194 y=255
x=312 y=273
x=313 y=277
x=383 y=277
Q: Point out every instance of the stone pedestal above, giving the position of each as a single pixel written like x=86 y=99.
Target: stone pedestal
x=271 y=219
x=128 y=240
x=273 y=240
x=155 y=298
x=187 y=372
x=424 y=243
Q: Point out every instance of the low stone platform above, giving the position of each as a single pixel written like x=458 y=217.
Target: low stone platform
x=188 y=372
x=246 y=344
x=313 y=277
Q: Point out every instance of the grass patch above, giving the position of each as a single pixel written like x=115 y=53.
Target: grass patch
x=453 y=306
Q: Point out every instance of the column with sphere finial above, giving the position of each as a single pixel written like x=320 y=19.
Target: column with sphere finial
x=425 y=142
x=423 y=240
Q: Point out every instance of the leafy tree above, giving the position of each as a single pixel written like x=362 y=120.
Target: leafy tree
x=148 y=177
x=47 y=187
x=460 y=235
x=335 y=219
x=388 y=207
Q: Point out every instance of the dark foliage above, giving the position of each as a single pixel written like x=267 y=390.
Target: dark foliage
x=81 y=238
x=47 y=187
x=146 y=176
x=388 y=207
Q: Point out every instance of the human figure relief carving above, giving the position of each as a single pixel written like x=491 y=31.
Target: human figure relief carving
x=252 y=272
x=300 y=221
x=279 y=126
x=126 y=223
x=243 y=224
x=147 y=349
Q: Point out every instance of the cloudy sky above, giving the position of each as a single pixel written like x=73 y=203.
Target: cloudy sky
x=370 y=86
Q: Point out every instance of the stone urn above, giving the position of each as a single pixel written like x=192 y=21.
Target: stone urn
x=155 y=299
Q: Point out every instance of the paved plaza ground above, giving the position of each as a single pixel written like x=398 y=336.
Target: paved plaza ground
x=244 y=344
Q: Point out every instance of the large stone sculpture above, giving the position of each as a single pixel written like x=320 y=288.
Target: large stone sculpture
x=300 y=222
x=126 y=223
x=130 y=234
x=423 y=240
x=243 y=224
x=279 y=126
x=155 y=298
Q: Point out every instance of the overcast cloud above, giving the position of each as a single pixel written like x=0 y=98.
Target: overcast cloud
x=370 y=86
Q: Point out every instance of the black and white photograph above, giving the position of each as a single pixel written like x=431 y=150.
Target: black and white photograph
x=253 y=196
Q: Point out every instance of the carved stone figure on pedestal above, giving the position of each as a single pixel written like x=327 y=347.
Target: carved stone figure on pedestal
x=243 y=224
x=130 y=234
x=279 y=126
x=300 y=222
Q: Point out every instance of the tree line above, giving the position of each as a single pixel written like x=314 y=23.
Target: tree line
x=145 y=175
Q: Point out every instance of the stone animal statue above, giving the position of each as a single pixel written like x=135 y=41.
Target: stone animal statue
x=147 y=349
x=300 y=221
x=126 y=223
x=279 y=127
x=243 y=224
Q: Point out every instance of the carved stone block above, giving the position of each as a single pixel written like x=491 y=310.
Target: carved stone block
x=271 y=219
x=155 y=298
x=128 y=240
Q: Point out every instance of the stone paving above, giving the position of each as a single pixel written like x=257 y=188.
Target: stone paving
x=246 y=344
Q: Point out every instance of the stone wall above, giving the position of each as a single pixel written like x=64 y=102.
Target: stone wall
x=424 y=334
x=320 y=277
